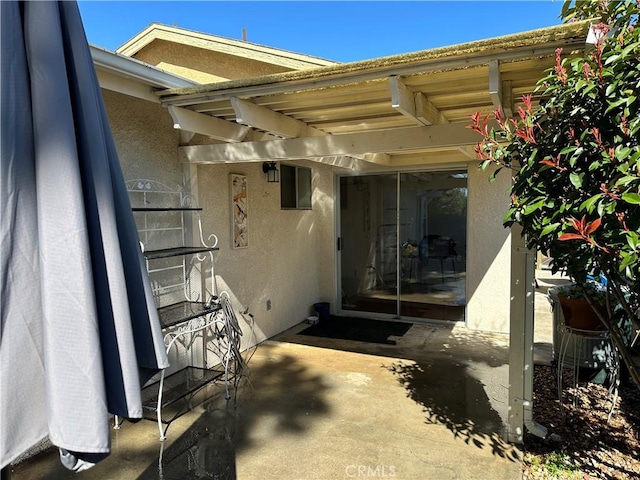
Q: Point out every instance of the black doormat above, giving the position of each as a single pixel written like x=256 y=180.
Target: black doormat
x=358 y=329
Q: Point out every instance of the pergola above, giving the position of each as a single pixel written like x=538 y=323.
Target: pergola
x=392 y=112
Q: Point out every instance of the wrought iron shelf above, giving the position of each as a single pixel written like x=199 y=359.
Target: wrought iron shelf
x=178 y=386
x=177 y=252
x=183 y=318
x=184 y=311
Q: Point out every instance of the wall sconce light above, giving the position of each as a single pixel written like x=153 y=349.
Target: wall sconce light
x=270 y=169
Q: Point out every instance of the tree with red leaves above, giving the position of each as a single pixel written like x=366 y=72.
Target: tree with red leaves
x=575 y=160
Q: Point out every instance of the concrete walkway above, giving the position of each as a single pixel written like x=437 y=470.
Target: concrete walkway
x=433 y=406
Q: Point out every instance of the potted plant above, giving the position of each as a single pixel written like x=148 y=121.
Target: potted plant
x=577 y=311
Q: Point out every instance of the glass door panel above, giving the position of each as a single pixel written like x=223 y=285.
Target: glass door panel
x=403 y=244
x=369 y=246
x=433 y=236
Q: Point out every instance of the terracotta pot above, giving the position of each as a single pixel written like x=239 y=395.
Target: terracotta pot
x=579 y=314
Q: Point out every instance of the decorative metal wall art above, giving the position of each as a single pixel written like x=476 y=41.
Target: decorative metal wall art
x=239 y=211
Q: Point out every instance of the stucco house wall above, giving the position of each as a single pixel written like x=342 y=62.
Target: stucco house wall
x=201 y=65
x=488 y=252
x=288 y=264
x=145 y=139
x=290 y=258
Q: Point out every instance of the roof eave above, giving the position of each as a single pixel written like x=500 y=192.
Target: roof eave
x=128 y=67
x=506 y=48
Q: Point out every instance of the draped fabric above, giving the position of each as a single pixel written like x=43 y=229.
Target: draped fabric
x=79 y=332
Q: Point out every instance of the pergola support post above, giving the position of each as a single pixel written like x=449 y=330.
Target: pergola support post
x=521 y=330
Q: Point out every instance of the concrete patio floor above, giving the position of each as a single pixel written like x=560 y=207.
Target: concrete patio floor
x=433 y=406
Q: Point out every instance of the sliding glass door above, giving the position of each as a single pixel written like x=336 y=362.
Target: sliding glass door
x=403 y=244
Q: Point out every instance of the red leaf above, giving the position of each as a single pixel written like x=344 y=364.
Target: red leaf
x=577 y=224
x=569 y=236
x=593 y=226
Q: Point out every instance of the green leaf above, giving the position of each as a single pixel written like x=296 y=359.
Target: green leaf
x=610 y=207
x=621 y=153
x=575 y=156
x=590 y=87
x=589 y=204
x=611 y=59
x=632 y=198
x=615 y=104
x=595 y=165
x=628 y=49
x=576 y=179
x=529 y=209
x=549 y=228
x=493 y=175
x=627 y=258
x=626 y=180
x=509 y=216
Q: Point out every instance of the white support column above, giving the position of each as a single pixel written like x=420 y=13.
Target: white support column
x=516 y=339
x=521 y=341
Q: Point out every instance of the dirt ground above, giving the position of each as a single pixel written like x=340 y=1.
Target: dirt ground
x=581 y=444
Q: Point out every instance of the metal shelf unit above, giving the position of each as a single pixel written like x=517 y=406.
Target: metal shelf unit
x=180 y=265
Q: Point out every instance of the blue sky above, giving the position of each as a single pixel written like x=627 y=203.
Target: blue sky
x=335 y=30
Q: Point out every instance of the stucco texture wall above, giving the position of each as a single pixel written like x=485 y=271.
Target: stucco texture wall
x=201 y=65
x=291 y=256
x=145 y=139
x=289 y=262
x=488 y=253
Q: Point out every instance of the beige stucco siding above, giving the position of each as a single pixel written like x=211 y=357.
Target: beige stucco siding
x=488 y=253
x=145 y=139
x=290 y=258
x=201 y=65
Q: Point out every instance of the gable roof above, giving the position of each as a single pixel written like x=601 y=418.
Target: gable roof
x=215 y=43
x=396 y=111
